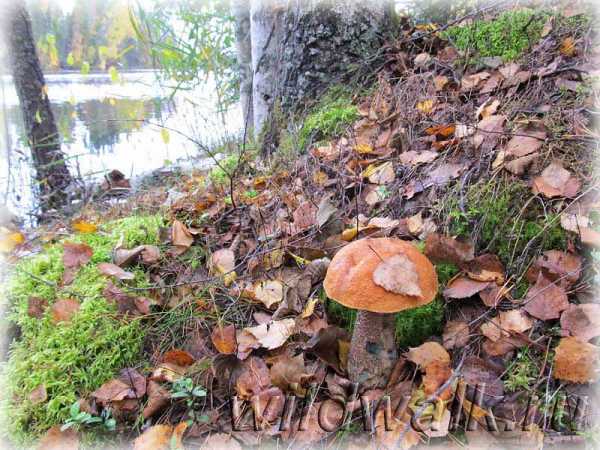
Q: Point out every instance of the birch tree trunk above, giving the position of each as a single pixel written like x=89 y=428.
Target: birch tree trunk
x=51 y=169
x=300 y=48
x=240 y=10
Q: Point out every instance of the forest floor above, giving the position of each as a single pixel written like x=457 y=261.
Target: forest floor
x=140 y=320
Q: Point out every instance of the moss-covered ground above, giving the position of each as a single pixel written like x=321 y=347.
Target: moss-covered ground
x=70 y=359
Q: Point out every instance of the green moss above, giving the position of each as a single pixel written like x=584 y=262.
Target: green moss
x=506 y=36
x=329 y=118
x=502 y=217
x=69 y=359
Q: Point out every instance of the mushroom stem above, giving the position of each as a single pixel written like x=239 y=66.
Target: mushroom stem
x=372 y=350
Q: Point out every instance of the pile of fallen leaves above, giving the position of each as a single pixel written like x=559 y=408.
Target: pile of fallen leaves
x=249 y=268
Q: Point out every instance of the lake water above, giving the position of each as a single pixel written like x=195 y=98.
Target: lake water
x=104 y=126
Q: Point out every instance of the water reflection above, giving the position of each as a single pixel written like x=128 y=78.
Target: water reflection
x=107 y=126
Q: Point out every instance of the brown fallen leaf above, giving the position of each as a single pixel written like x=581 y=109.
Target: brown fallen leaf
x=168 y=372
x=325 y=344
x=581 y=321
x=253 y=378
x=135 y=380
x=441 y=131
x=443 y=173
x=381 y=174
x=502 y=346
x=487 y=108
x=113 y=390
x=158 y=399
x=463 y=287
x=269 y=292
x=288 y=373
x=223 y=338
x=493 y=294
x=440 y=81
x=489 y=131
x=36 y=306
x=55 y=439
x=576 y=361
x=126 y=304
x=436 y=374
x=505 y=324
x=441 y=248
x=38 y=395
x=426 y=353
x=413 y=158
x=112 y=270
x=469 y=82
x=273 y=334
x=561 y=267
x=149 y=254
x=63 y=310
x=523 y=147
x=477 y=371
x=157 y=437
x=178 y=357
x=545 y=300
x=398 y=274
x=556 y=181
x=486 y=267
x=74 y=257
x=180 y=235
x=222 y=262
x=456 y=334
x=305 y=216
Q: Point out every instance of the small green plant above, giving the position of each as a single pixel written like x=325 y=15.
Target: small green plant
x=220 y=174
x=522 y=372
x=80 y=418
x=185 y=389
x=506 y=36
x=251 y=193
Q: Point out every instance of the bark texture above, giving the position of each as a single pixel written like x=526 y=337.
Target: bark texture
x=240 y=10
x=51 y=170
x=300 y=48
x=372 y=350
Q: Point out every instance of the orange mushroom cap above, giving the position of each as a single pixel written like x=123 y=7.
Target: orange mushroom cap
x=350 y=278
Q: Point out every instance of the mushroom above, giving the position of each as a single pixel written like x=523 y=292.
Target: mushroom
x=378 y=277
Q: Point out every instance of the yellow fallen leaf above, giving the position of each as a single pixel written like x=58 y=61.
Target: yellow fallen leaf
x=10 y=240
x=299 y=260
x=309 y=309
x=320 y=178
x=349 y=234
x=84 y=227
x=381 y=174
x=425 y=106
x=567 y=46
x=440 y=82
x=363 y=148
x=164 y=135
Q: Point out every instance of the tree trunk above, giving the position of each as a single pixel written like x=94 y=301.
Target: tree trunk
x=240 y=10
x=51 y=170
x=300 y=48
